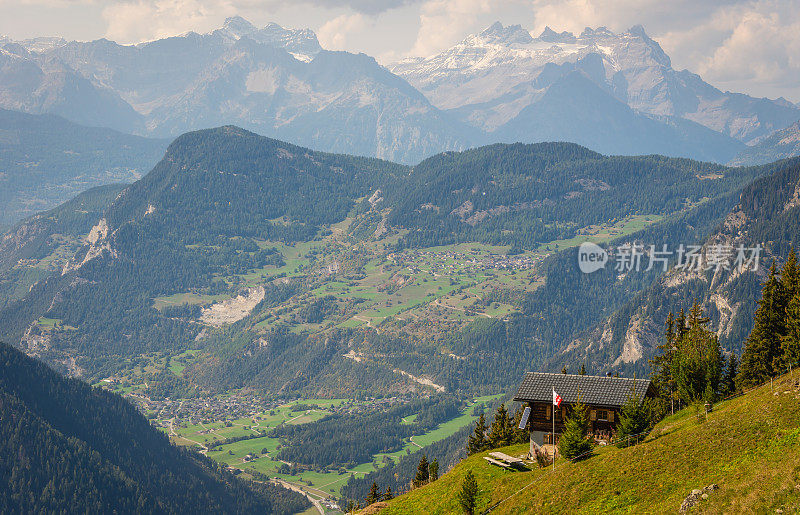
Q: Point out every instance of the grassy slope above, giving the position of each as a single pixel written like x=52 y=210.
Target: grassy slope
x=749 y=446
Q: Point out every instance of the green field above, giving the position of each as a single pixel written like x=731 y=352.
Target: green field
x=324 y=483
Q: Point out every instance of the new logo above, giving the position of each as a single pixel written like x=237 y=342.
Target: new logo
x=591 y=257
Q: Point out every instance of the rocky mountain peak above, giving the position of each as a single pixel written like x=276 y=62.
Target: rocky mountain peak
x=302 y=43
x=512 y=34
x=551 y=36
x=238 y=25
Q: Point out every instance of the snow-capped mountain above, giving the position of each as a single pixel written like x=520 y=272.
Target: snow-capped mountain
x=276 y=81
x=301 y=43
x=614 y=93
x=490 y=78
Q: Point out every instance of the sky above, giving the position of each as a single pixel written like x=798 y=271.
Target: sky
x=748 y=46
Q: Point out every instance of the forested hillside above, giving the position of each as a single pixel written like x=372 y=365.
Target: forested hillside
x=767 y=214
x=46 y=160
x=67 y=447
x=277 y=262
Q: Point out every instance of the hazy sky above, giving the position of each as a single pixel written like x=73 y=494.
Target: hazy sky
x=747 y=46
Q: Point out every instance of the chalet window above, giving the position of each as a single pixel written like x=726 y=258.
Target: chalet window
x=602 y=415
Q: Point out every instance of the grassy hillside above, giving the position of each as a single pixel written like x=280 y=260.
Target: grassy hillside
x=749 y=446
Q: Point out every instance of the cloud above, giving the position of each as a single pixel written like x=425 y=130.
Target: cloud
x=763 y=47
x=443 y=22
x=742 y=45
x=369 y=7
x=333 y=35
x=149 y=19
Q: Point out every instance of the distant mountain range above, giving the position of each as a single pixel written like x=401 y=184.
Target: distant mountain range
x=614 y=93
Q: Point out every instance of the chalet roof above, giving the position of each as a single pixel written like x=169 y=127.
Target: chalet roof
x=594 y=390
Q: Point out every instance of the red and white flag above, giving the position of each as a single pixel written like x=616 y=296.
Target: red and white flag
x=556 y=399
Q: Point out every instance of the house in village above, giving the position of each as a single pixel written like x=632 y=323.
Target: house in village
x=603 y=396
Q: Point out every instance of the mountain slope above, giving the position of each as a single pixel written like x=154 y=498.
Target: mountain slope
x=46 y=160
x=768 y=214
x=574 y=108
x=226 y=210
x=782 y=144
x=67 y=447
x=748 y=446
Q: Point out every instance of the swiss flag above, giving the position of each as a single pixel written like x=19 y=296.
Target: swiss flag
x=556 y=399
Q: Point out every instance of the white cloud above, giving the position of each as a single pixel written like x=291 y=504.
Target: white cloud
x=334 y=34
x=141 y=20
x=443 y=22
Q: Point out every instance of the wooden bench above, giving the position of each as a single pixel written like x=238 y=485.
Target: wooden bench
x=511 y=461
x=493 y=461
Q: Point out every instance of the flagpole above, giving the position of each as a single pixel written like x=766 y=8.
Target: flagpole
x=553 y=439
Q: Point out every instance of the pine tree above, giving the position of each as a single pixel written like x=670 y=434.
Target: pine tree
x=633 y=421
x=423 y=474
x=433 y=470
x=373 y=495
x=583 y=369
x=468 y=495
x=573 y=442
x=763 y=345
x=500 y=434
x=697 y=361
x=477 y=440
x=388 y=496
x=790 y=342
x=661 y=364
x=728 y=386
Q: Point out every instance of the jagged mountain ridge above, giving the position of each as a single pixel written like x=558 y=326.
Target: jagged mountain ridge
x=490 y=77
x=493 y=87
x=278 y=82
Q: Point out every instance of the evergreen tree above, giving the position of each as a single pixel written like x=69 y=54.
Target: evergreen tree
x=468 y=495
x=501 y=433
x=790 y=342
x=763 y=345
x=573 y=442
x=662 y=363
x=697 y=362
x=633 y=421
x=477 y=440
x=388 y=496
x=373 y=495
x=728 y=386
x=583 y=369
x=423 y=474
x=433 y=470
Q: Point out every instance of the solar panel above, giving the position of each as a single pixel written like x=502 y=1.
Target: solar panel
x=525 y=415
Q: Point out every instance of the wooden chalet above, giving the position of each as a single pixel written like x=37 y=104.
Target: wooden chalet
x=603 y=396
